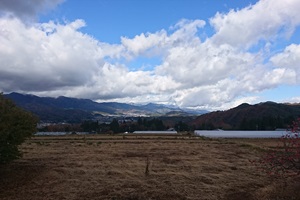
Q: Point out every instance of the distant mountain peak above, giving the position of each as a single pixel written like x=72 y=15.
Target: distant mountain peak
x=74 y=109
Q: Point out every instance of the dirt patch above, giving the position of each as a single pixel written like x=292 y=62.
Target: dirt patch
x=108 y=167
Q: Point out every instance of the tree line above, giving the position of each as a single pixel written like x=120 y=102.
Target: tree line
x=119 y=126
x=252 y=124
x=116 y=126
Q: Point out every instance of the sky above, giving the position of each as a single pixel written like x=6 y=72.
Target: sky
x=210 y=54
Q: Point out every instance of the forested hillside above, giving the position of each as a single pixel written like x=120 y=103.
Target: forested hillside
x=262 y=116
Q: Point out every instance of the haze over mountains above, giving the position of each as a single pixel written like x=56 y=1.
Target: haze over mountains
x=74 y=110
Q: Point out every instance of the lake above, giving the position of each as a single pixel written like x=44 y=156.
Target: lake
x=240 y=134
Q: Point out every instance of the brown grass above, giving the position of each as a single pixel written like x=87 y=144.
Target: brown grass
x=114 y=167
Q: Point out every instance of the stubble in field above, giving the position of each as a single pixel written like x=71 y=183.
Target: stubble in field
x=111 y=167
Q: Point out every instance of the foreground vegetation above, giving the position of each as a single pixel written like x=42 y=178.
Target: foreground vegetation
x=141 y=167
x=16 y=125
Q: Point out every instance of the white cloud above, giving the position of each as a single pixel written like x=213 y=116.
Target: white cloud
x=204 y=63
x=261 y=78
x=61 y=59
x=266 y=20
x=215 y=97
x=53 y=59
x=289 y=59
x=292 y=100
x=152 y=44
x=34 y=59
x=185 y=31
x=149 y=43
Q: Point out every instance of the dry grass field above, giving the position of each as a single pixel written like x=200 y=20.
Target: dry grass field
x=114 y=167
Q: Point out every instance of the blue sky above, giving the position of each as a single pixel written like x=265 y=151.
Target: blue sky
x=210 y=54
x=108 y=20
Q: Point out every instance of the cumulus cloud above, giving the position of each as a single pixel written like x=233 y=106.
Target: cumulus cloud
x=144 y=44
x=152 y=44
x=61 y=60
x=289 y=59
x=26 y=10
x=204 y=63
x=266 y=20
x=45 y=56
x=53 y=59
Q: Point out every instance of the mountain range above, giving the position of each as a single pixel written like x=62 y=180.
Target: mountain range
x=262 y=116
x=65 y=109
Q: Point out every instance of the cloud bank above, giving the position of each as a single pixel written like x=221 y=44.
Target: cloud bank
x=217 y=72
x=26 y=10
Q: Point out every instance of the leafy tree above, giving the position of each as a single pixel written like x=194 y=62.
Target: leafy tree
x=181 y=126
x=15 y=126
x=114 y=126
x=207 y=126
x=140 y=121
x=150 y=124
x=156 y=125
x=90 y=126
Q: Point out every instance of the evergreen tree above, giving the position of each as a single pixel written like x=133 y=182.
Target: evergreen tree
x=114 y=126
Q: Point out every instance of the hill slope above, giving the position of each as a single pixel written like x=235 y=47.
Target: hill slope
x=262 y=116
x=65 y=109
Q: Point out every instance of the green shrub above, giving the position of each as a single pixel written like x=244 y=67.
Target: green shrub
x=15 y=126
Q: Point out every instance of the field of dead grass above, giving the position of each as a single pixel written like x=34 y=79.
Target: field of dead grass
x=113 y=167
